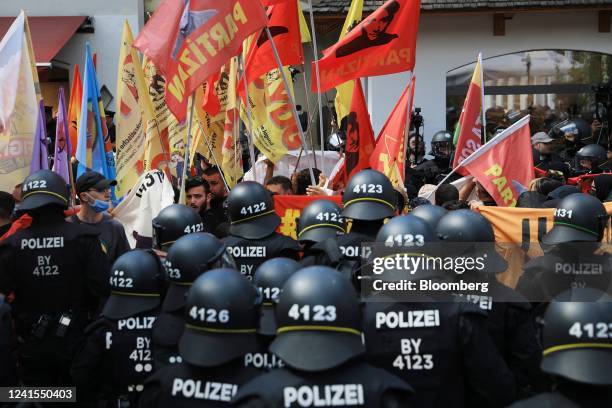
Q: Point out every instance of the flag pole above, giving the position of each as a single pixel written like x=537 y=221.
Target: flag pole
x=249 y=116
x=187 y=150
x=483 y=136
x=309 y=130
x=292 y=103
x=315 y=53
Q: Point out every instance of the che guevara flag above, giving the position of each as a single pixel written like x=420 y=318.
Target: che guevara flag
x=504 y=164
x=383 y=43
x=284 y=26
x=389 y=155
x=190 y=41
x=468 y=132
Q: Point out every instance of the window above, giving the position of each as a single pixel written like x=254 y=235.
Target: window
x=551 y=85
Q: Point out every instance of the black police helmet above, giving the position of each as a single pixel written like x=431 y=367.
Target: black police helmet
x=269 y=279
x=431 y=214
x=440 y=137
x=251 y=211
x=172 y=223
x=189 y=257
x=576 y=337
x=136 y=282
x=593 y=152
x=320 y=220
x=42 y=188
x=467 y=226
x=369 y=196
x=578 y=218
x=318 y=309
x=220 y=319
x=405 y=231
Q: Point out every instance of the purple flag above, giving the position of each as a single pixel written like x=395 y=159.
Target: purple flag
x=61 y=159
x=40 y=154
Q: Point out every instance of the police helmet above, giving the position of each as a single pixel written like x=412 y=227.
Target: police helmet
x=41 y=188
x=269 y=279
x=188 y=258
x=595 y=153
x=467 y=226
x=405 y=231
x=431 y=214
x=251 y=211
x=578 y=218
x=136 y=282
x=220 y=319
x=172 y=223
x=320 y=220
x=574 y=347
x=369 y=196
x=318 y=309
x=440 y=139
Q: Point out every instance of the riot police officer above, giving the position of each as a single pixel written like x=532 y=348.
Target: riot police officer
x=509 y=314
x=369 y=199
x=571 y=256
x=189 y=257
x=577 y=351
x=593 y=159
x=319 y=308
x=59 y=275
x=318 y=227
x=269 y=279
x=8 y=374
x=221 y=321
x=172 y=223
x=441 y=347
x=252 y=233
x=442 y=151
x=116 y=357
x=431 y=214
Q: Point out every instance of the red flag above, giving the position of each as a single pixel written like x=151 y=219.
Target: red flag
x=470 y=121
x=359 y=137
x=504 y=163
x=383 y=43
x=211 y=103
x=273 y=2
x=191 y=44
x=284 y=26
x=289 y=207
x=389 y=154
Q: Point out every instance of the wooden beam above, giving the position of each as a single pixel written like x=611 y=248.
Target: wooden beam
x=604 y=21
x=499 y=25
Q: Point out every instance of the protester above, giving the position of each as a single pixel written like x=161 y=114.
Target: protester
x=94 y=192
x=196 y=192
x=446 y=193
x=214 y=215
x=7 y=205
x=279 y=185
x=543 y=154
x=301 y=180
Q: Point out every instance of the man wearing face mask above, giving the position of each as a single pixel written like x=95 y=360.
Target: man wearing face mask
x=93 y=191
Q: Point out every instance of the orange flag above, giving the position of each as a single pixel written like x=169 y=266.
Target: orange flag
x=468 y=132
x=74 y=108
x=284 y=25
x=389 y=155
x=504 y=166
x=191 y=44
x=383 y=43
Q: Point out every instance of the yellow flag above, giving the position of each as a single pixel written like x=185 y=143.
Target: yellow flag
x=304 y=32
x=231 y=164
x=19 y=109
x=274 y=129
x=173 y=134
x=131 y=120
x=344 y=92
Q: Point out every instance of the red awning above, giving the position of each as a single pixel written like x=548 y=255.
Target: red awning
x=49 y=34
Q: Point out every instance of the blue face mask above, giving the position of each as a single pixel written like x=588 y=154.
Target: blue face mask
x=100 y=206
